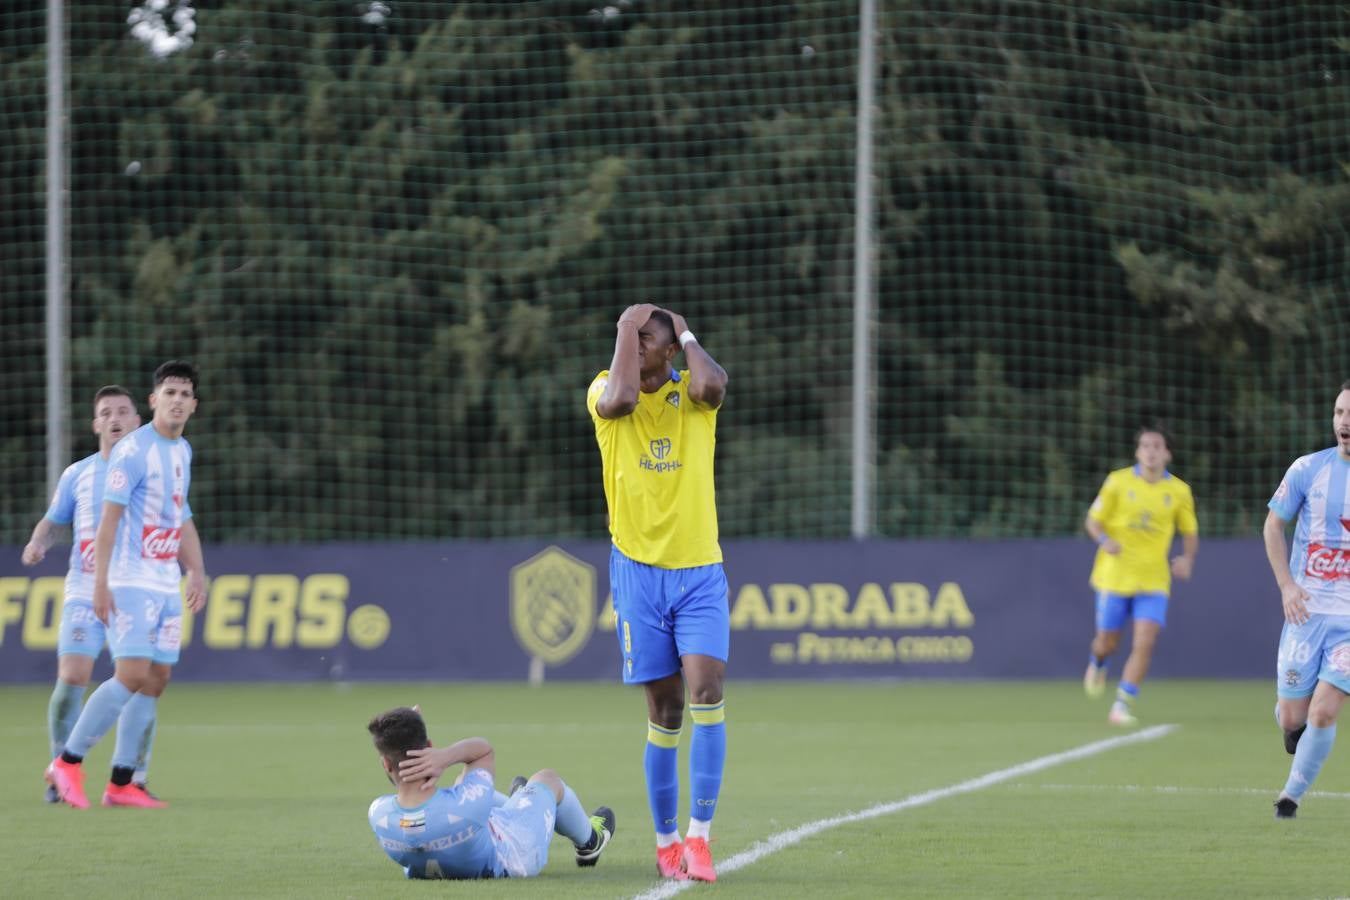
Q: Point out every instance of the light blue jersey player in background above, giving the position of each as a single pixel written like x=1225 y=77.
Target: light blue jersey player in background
x=77 y=503
x=1313 y=674
x=146 y=529
x=470 y=830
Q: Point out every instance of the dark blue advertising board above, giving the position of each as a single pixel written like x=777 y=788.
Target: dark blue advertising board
x=828 y=609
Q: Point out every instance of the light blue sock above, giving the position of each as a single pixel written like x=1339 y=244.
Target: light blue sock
x=1313 y=749
x=134 y=725
x=99 y=714
x=707 y=756
x=572 y=822
x=62 y=713
x=663 y=777
x=147 y=744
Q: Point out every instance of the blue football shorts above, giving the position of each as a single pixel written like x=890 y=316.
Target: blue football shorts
x=1317 y=650
x=81 y=631
x=1114 y=609
x=522 y=828
x=664 y=614
x=148 y=624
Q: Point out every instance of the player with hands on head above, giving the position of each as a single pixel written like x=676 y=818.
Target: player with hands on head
x=1313 y=663
x=470 y=830
x=656 y=430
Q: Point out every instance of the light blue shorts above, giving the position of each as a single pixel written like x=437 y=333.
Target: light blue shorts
x=81 y=632
x=1114 y=609
x=522 y=829
x=148 y=625
x=665 y=613
x=1317 y=650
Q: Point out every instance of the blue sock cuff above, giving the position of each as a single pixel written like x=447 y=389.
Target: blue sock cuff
x=1131 y=689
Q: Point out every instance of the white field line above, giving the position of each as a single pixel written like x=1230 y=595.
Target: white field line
x=1170 y=789
x=785 y=839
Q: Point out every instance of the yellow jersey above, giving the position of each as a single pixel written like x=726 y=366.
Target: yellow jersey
x=658 y=473
x=1142 y=518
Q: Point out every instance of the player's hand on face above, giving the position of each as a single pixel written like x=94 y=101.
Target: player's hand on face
x=1295 y=601
x=195 y=594
x=33 y=554
x=104 y=607
x=637 y=314
x=1181 y=567
x=425 y=765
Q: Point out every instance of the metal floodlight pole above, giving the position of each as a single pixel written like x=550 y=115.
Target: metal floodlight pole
x=864 y=261
x=58 y=436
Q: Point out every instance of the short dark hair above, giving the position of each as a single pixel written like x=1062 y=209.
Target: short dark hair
x=1346 y=386
x=398 y=731
x=1157 y=429
x=176 y=368
x=664 y=318
x=113 y=390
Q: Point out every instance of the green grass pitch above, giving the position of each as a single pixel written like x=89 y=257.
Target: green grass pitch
x=269 y=787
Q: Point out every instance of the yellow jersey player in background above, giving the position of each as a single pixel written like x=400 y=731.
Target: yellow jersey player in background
x=1133 y=520
x=656 y=427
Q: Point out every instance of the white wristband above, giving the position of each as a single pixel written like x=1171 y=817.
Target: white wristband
x=687 y=338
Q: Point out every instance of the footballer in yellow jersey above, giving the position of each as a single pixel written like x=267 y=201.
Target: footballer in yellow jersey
x=656 y=429
x=1133 y=520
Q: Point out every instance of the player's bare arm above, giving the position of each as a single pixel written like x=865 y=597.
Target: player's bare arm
x=1097 y=531
x=42 y=539
x=707 y=379
x=1293 y=598
x=103 y=548
x=194 y=566
x=1184 y=565
x=625 y=370
x=428 y=763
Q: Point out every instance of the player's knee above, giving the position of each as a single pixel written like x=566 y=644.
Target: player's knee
x=1292 y=720
x=705 y=694
x=1322 y=714
x=156 y=680
x=75 y=670
x=550 y=779
x=133 y=673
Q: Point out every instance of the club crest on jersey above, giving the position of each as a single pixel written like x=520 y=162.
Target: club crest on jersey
x=673 y=398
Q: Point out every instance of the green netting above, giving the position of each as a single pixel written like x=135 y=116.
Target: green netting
x=395 y=237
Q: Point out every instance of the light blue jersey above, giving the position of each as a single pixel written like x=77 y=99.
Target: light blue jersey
x=1316 y=489
x=78 y=502
x=149 y=475
x=460 y=833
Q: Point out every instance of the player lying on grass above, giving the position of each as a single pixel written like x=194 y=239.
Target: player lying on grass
x=470 y=830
